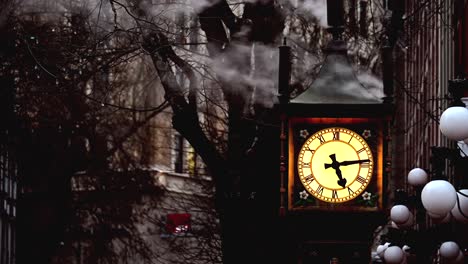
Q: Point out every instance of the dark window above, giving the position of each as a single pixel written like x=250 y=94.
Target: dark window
x=8 y=196
x=178 y=153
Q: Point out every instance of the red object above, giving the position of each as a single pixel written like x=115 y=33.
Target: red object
x=177 y=223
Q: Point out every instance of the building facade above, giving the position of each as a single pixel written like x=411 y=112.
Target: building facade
x=427 y=50
x=429 y=55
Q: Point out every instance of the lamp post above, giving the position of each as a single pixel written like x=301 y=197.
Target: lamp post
x=441 y=204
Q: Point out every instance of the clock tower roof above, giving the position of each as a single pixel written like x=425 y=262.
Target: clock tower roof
x=336 y=82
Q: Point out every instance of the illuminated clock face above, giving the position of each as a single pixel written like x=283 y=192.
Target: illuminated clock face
x=335 y=165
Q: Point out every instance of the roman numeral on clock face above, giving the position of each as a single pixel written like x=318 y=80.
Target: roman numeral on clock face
x=334 y=194
x=321 y=139
x=336 y=135
x=319 y=190
x=361 y=179
x=309 y=179
x=350 y=191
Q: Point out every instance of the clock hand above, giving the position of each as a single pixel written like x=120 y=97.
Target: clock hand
x=350 y=162
x=342 y=181
x=336 y=165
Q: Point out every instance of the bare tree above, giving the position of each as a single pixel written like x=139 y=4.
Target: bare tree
x=243 y=173
x=216 y=63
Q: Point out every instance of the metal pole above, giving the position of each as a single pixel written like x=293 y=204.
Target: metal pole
x=283 y=90
x=284 y=72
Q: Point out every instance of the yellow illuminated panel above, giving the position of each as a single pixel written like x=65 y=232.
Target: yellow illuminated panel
x=335 y=165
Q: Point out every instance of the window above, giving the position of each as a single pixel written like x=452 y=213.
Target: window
x=8 y=197
x=461 y=45
x=184 y=157
x=178 y=153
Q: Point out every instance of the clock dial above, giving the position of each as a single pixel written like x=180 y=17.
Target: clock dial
x=335 y=164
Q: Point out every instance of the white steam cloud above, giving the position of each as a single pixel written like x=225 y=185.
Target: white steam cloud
x=317 y=8
x=254 y=66
x=338 y=83
x=259 y=71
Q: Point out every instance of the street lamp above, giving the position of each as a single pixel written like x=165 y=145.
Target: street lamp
x=437 y=199
x=460 y=210
x=454 y=123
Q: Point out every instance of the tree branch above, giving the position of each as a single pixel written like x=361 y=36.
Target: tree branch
x=132 y=130
x=185 y=118
x=212 y=21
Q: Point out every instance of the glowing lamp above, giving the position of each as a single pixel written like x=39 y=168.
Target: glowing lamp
x=381 y=250
x=438 y=197
x=449 y=250
x=460 y=210
x=393 y=255
x=408 y=223
x=417 y=177
x=454 y=123
x=406 y=249
x=399 y=214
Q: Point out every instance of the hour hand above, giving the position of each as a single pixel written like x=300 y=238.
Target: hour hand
x=341 y=181
x=350 y=162
x=336 y=166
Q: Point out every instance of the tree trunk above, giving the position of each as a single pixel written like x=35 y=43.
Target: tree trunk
x=245 y=176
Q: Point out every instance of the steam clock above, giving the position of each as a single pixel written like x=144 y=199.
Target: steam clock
x=334 y=157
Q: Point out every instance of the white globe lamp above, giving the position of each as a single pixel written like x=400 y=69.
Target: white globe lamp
x=393 y=255
x=408 y=223
x=454 y=123
x=399 y=214
x=460 y=210
x=381 y=250
x=406 y=249
x=417 y=177
x=463 y=147
x=449 y=250
x=438 y=197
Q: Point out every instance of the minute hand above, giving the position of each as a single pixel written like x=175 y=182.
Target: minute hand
x=350 y=162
